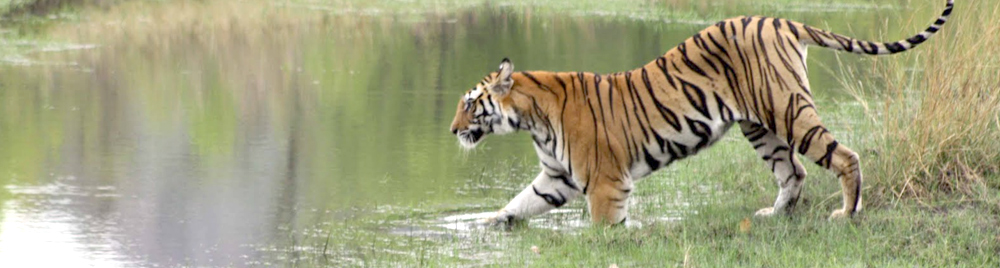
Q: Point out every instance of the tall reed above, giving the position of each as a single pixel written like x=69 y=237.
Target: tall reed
x=937 y=121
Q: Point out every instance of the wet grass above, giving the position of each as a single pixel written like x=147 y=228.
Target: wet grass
x=721 y=187
x=714 y=238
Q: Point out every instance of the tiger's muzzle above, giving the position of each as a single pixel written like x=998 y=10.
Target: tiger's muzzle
x=469 y=138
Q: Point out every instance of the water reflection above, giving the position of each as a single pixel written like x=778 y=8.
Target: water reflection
x=60 y=219
x=238 y=145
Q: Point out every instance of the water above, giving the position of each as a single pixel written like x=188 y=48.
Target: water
x=313 y=143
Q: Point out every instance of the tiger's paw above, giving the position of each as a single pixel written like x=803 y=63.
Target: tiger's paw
x=502 y=219
x=765 y=212
x=839 y=214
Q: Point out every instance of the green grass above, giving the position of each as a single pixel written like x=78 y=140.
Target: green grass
x=928 y=233
x=724 y=185
x=911 y=232
x=904 y=237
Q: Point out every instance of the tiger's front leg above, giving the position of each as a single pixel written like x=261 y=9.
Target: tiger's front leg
x=545 y=193
x=608 y=199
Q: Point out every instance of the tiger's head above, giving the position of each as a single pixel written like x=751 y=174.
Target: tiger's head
x=486 y=108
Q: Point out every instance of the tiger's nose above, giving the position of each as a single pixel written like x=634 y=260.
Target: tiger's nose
x=454 y=130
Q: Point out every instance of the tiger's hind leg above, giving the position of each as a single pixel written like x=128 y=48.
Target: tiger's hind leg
x=788 y=172
x=809 y=137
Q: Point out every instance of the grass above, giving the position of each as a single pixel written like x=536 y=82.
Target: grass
x=930 y=142
x=906 y=237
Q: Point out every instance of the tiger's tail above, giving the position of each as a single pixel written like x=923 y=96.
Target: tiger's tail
x=827 y=39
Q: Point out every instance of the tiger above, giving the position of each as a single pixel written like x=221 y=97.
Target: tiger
x=595 y=135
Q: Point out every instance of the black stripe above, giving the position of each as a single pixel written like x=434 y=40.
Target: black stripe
x=628 y=118
x=873 y=48
x=651 y=161
x=611 y=95
x=709 y=62
x=765 y=97
x=700 y=129
x=895 y=47
x=732 y=27
x=659 y=139
x=662 y=63
x=760 y=31
x=551 y=199
x=629 y=144
x=724 y=111
x=600 y=102
x=792 y=28
x=916 y=39
x=560 y=81
x=825 y=160
x=668 y=116
x=807 y=138
x=635 y=109
x=569 y=152
x=815 y=36
x=748 y=73
x=696 y=97
x=717 y=45
x=604 y=123
x=756 y=134
x=687 y=61
x=784 y=57
x=845 y=43
x=682 y=150
x=566 y=180
x=593 y=114
x=533 y=79
x=562 y=113
x=857 y=197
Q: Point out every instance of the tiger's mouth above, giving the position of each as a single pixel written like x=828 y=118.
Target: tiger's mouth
x=470 y=138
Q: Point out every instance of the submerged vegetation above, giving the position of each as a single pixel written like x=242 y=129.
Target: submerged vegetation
x=927 y=129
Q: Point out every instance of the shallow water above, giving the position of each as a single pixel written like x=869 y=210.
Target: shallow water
x=324 y=144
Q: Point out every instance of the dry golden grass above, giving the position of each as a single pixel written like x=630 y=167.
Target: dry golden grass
x=938 y=127
x=141 y=23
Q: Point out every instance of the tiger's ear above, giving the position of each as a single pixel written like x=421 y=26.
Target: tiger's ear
x=504 y=81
